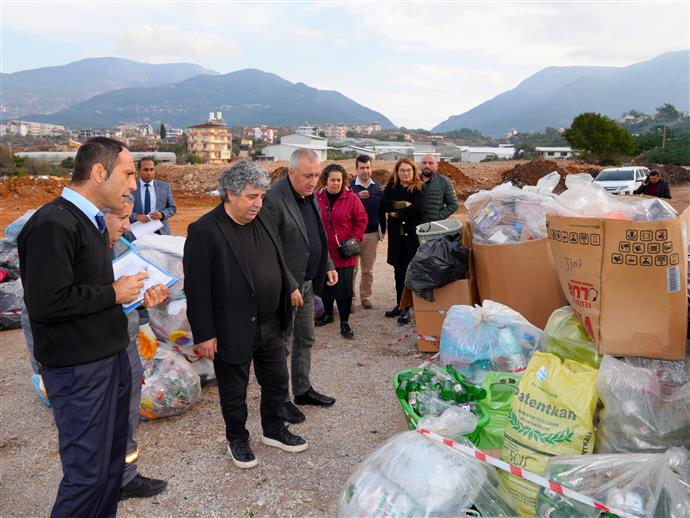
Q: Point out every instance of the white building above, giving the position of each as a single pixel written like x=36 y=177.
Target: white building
x=556 y=152
x=307 y=130
x=418 y=155
x=35 y=129
x=370 y=152
x=289 y=143
x=477 y=154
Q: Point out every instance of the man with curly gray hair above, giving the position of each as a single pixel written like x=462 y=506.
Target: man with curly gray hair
x=238 y=305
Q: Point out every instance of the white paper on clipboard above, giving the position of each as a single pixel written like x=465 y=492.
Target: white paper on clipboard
x=132 y=263
x=140 y=229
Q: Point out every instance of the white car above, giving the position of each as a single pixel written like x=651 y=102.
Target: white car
x=622 y=180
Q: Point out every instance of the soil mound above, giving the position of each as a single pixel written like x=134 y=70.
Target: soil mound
x=531 y=172
x=464 y=185
x=33 y=190
x=674 y=174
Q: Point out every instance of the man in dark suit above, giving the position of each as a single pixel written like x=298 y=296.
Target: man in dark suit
x=153 y=198
x=291 y=207
x=238 y=306
x=79 y=328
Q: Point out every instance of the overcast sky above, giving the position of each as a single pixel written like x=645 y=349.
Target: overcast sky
x=417 y=63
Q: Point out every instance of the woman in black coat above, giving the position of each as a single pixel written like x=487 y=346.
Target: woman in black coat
x=404 y=200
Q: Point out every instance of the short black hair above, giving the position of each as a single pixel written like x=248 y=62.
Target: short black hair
x=145 y=159
x=97 y=150
x=362 y=159
x=654 y=172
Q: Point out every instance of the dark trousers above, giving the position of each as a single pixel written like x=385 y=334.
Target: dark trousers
x=90 y=405
x=344 y=307
x=271 y=372
x=405 y=255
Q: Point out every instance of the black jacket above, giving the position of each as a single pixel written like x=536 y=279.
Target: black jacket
x=67 y=274
x=663 y=190
x=221 y=302
x=281 y=208
x=402 y=228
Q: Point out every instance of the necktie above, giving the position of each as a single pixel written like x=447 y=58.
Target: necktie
x=100 y=221
x=147 y=199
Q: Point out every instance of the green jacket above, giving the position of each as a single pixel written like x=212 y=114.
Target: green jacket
x=441 y=201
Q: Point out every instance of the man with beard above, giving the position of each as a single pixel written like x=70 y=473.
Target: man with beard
x=441 y=201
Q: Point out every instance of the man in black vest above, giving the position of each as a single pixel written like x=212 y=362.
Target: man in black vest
x=79 y=328
x=238 y=305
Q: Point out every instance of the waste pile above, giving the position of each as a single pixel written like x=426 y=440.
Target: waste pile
x=11 y=290
x=581 y=430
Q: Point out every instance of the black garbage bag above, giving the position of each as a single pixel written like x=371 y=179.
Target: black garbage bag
x=437 y=263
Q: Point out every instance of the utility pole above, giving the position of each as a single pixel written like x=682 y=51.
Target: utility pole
x=663 y=138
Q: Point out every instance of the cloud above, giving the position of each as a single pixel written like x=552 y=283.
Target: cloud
x=303 y=35
x=164 y=44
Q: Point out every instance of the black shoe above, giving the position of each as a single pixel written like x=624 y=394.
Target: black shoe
x=346 y=330
x=367 y=305
x=325 y=319
x=290 y=413
x=241 y=454
x=404 y=317
x=142 y=487
x=394 y=312
x=285 y=440
x=311 y=397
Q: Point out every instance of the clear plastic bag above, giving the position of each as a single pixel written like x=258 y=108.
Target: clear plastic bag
x=437 y=263
x=13 y=229
x=454 y=422
x=9 y=255
x=646 y=405
x=171 y=386
x=165 y=252
x=508 y=214
x=566 y=337
x=410 y=475
x=586 y=199
x=642 y=484
x=491 y=337
x=169 y=323
x=11 y=304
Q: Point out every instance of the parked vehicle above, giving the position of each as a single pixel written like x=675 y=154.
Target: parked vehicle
x=622 y=180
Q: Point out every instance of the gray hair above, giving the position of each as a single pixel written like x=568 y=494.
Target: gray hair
x=129 y=200
x=240 y=175
x=302 y=154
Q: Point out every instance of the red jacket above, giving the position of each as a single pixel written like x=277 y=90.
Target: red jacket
x=349 y=218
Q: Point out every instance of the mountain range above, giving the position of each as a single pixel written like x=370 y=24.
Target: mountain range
x=556 y=95
x=103 y=92
x=245 y=97
x=51 y=89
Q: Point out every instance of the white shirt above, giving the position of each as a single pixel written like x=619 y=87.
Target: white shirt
x=152 y=194
x=359 y=182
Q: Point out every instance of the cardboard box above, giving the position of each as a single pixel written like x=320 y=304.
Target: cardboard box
x=627 y=281
x=429 y=316
x=520 y=275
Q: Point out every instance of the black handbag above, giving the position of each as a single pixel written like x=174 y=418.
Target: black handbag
x=348 y=248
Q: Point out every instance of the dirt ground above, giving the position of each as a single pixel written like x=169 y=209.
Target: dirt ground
x=189 y=450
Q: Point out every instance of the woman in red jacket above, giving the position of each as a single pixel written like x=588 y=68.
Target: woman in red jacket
x=343 y=217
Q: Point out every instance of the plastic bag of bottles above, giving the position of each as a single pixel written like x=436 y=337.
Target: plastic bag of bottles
x=641 y=484
x=586 y=199
x=169 y=323
x=508 y=214
x=566 y=337
x=646 y=405
x=171 y=386
x=411 y=475
x=500 y=388
x=437 y=263
x=13 y=229
x=491 y=337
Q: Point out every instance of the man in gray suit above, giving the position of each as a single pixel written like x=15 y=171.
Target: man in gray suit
x=290 y=204
x=153 y=198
